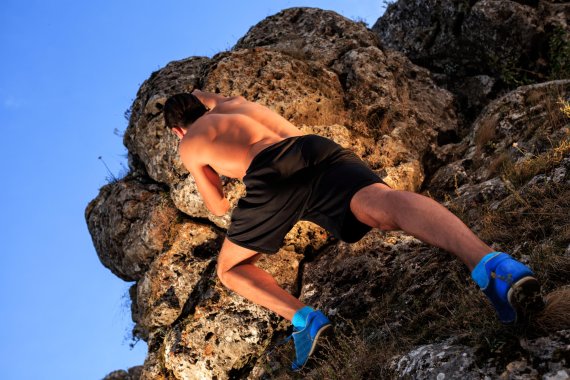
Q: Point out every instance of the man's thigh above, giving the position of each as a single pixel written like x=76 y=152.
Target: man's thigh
x=232 y=254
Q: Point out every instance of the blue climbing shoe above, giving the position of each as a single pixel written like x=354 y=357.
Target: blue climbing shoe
x=510 y=285
x=306 y=339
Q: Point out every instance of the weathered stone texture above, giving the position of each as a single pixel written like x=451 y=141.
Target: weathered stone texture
x=480 y=48
x=224 y=336
x=129 y=222
x=543 y=358
x=172 y=277
x=308 y=34
x=520 y=125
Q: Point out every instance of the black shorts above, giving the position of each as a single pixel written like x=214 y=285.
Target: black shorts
x=299 y=178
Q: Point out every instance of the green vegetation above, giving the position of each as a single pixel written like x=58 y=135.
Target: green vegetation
x=559 y=54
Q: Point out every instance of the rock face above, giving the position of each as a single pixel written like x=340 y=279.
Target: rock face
x=454 y=361
x=336 y=78
x=130 y=222
x=479 y=48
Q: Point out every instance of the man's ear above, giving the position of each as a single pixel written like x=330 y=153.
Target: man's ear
x=178 y=131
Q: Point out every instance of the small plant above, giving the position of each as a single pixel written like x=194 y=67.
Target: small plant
x=564 y=107
x=524 y=170
x=559 y=54
x=112 y=178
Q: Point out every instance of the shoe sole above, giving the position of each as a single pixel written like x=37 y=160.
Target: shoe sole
x=524 y=296
x=322 y=330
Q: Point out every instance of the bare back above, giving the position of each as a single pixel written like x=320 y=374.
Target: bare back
x=229 y=136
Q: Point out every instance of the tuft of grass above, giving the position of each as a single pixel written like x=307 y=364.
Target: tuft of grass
x=556 y=315
x=486 y=132
x=526 y=169
x=564 y=107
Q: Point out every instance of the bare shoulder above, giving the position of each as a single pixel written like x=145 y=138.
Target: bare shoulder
x=193 y=149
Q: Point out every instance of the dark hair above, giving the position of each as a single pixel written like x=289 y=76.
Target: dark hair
x=183 y=109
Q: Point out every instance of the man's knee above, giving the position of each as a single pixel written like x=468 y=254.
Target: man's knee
x=225 y=267
x=371 y=204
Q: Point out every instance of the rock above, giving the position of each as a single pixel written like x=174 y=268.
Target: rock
x=129 y=222
x=438 y=361
x=460 y=38
x=187 y=199
x=381 y=89
x=541 y=358
x=308 y=34
x=152 y=148
x=473 y=44
x=153 y=368
x=303 y=92
x=134 y=373
x=221 y=340
x=349 y=279
x=520 y=125
x=172 y=278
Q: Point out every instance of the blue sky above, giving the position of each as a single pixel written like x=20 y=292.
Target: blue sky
x=68 y=72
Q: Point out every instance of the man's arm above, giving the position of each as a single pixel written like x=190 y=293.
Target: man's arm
x=210 y=188
x=207 y=180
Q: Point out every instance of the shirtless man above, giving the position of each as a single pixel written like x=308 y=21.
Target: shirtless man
x=291 y=176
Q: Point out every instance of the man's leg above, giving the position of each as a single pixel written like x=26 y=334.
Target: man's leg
x=236 y=269
x=381 y=207
x=511 y=286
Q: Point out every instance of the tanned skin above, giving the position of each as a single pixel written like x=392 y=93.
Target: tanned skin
x=225 y=140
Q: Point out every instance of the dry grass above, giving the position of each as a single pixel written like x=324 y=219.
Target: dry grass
x=556 y=315
x=486 y=133
x=564 y=107
x=524 y=170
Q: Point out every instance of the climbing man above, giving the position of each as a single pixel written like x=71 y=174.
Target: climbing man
x=290 y=176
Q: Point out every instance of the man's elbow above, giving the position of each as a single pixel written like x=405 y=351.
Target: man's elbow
x=220 y=209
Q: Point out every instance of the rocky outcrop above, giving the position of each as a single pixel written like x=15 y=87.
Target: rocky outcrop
x=520 y=125
x=133 y=373
x=479 y=48
x=449 y=360
x=308 y=34
x=335 y=78
x=130 y=221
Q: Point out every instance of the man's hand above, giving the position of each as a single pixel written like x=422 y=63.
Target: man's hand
x=211 y=100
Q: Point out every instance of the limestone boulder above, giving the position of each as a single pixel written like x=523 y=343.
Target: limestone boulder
x=458 y=38
x=309 y=34
x=129 y=222
x=133 y=373
x=541 y=358
x=173 y=277
x=518 y=127
x=152 y=148
x=302 y=91
x=399 y=104
x=220 y=340
x=355 y=280
x=480 y=48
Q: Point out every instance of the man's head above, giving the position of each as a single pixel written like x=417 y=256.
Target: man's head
x=181 y=110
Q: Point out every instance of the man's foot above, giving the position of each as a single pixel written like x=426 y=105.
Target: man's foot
x=306 y=339
x=511 y=287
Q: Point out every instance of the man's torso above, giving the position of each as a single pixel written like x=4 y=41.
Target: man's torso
x=228 y=137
